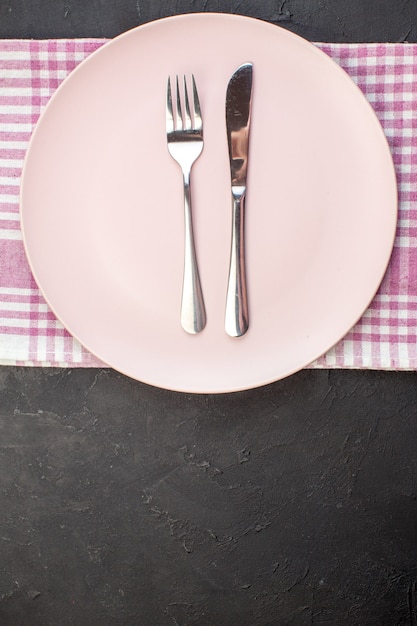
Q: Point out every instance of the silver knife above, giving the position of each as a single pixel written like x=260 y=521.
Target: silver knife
x=238 y=110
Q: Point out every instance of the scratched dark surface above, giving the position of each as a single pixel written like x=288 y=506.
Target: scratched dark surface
x=122 y=504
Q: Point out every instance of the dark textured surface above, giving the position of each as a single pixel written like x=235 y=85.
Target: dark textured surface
x=125 y=504
x=324 y=20
x=122 y=504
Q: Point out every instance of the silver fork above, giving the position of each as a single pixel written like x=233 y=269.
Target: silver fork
x=185 y=143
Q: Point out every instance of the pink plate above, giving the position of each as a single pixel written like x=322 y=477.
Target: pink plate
x=102 y=214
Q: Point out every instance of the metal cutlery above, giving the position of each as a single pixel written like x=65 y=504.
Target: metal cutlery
x=184 y=128
x=238 y=110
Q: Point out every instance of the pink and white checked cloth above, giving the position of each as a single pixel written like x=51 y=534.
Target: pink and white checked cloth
x=385 y=337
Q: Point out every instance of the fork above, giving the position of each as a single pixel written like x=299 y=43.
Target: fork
x=184 y=127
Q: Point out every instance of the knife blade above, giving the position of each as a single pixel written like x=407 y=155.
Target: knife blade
x=238 y=115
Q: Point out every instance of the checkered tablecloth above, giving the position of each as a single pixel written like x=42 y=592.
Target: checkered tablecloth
x=385 y=337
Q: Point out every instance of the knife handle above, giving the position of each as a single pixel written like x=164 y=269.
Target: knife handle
x=237 y=317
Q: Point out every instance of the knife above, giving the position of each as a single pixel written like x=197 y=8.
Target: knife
x=238 y=111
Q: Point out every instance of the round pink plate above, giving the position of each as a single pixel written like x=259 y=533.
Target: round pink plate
x=102 y=211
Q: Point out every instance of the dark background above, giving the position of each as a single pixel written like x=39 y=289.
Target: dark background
x=291 y=504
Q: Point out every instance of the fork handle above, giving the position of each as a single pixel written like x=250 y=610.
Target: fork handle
x=193 y=312
x=237 y=315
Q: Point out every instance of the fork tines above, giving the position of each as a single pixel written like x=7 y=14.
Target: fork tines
x=179 y=117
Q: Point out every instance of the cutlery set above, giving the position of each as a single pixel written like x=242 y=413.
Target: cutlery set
x=184 y=128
